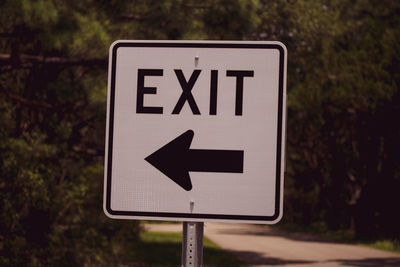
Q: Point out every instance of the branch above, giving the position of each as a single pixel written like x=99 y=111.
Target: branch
x=87 y=151
x=132 y=17
x=27 y=61
x=197 y=6
x=26 y=101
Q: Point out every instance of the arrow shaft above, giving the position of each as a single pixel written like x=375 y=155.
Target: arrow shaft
x=202 y=160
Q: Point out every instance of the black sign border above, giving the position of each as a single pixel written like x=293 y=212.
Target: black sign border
x=188 y=216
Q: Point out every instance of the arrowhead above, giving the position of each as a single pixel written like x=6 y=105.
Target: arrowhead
x=172 y=159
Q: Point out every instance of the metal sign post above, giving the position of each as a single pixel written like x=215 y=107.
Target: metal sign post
x=192 y=244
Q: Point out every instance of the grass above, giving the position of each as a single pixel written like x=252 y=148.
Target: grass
x=164 y=249
x=387 y=245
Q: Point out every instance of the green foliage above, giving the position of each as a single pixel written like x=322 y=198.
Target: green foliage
x=53 y=76
x=343 y=100
x=388 y=245
x=343 y=103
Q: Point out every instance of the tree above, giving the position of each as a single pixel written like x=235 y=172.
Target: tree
x=343 y=96
x=343 y=85
x=53 y=73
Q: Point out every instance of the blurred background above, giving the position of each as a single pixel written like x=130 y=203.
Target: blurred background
x=343 y=160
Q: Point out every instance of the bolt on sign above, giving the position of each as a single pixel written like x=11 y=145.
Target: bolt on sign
x=195 y=131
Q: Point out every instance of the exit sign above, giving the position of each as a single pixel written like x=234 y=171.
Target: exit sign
x=195 y=131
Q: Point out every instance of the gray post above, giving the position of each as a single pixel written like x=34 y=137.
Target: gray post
x=192 y=244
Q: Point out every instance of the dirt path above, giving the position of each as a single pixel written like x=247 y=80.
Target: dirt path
x=260 y=246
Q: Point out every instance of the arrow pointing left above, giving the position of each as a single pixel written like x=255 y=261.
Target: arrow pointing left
x=176 y=160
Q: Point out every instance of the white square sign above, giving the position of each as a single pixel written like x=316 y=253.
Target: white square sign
x=195 y=131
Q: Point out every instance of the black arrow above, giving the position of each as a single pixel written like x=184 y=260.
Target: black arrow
x=176 y=160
